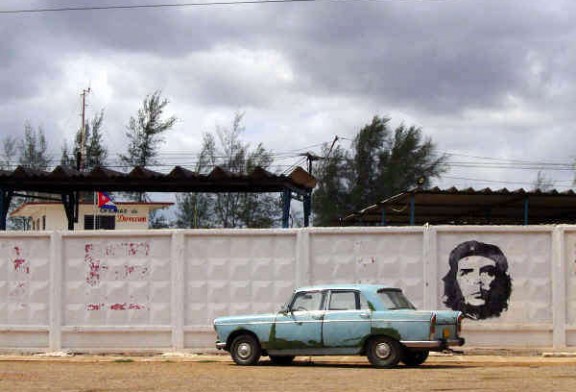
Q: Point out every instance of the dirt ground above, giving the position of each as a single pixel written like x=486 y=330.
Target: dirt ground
x=441 y=372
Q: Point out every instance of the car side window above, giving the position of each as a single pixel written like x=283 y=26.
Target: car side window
x=343 y=300
x=306 y=301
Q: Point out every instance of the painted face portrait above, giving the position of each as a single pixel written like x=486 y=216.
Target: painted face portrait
x=478 y=283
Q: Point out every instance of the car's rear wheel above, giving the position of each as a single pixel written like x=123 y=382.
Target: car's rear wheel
x=384 y=352
x=282 y=359
x=245 y=350
x=414 y=358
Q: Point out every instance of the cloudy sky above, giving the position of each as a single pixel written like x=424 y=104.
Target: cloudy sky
x=492 y=82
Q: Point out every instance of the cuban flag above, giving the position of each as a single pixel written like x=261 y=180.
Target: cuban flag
x=105 y=201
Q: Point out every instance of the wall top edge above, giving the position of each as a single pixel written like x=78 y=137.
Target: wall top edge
x=499 y=229
x=291 y=231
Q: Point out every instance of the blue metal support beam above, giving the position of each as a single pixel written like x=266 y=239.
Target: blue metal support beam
x=307 y=208
x=412 y=209
x=383 y=217
x=286 y=198
x=5 y=199
x=69 y=201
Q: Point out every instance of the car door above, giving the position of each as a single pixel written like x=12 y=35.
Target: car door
x=298 y=331
x=347 y=321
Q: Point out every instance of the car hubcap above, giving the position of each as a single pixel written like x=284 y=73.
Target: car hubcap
x=382 y=350
x=244 y=350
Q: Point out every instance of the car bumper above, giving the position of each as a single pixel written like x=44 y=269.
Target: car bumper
x=221 y=345
x=434 y=344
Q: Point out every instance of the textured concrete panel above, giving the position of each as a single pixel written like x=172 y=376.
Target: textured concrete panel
x=236 y=274
x=112 y=341
x=24 y=281
x=383 y=257
x=117 y=281
x=570 y=270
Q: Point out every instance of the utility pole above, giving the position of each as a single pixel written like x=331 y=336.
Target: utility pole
x=308 y=197
x=310 y=158
x=82 y=155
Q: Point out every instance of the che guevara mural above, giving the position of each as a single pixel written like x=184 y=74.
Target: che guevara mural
x=478 y=282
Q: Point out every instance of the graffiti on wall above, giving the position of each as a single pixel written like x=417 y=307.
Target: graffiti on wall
x=18 y=288
x=123 y=261
x=478 y=283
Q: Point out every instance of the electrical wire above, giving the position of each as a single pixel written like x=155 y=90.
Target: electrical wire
x=156 y=6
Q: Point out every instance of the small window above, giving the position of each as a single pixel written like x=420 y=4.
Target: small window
x=99 y=222
x=43 y=222
x=343 y=300
x=307 y=301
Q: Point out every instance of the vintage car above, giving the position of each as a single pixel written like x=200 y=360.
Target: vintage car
x=353 y=319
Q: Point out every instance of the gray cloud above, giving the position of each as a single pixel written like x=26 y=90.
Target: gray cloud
x=490 y=78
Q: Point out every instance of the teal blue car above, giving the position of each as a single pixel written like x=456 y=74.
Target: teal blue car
x=353 y=319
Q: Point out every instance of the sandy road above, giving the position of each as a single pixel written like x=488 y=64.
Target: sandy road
x=218 y=373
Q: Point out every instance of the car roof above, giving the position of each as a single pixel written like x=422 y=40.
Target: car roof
x=347 y=286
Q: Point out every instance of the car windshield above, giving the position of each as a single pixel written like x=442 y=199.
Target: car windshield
x=394 y=299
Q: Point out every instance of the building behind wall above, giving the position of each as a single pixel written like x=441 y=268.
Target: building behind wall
x=51 y=216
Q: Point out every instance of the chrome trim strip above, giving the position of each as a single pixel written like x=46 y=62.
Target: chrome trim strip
x=319 y=321
x=432 y=343
x=422 y=344
x=220 y=345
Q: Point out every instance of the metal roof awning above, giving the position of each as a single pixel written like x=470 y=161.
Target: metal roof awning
x=67 y=182
x=469 y=207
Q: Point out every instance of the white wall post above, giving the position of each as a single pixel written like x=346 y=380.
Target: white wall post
x=558 y=288
x=56 y=283
x=430 y=267
x=302 y=269
x=178 y=289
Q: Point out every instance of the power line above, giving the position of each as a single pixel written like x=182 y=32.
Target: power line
x=566 y=183
x=500 y=159
x=152 y=6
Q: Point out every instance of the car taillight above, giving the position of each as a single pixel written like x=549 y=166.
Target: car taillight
x=459 y=323
x=433 y=326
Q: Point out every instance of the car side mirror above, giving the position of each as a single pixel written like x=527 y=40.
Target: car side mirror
x=284 y=309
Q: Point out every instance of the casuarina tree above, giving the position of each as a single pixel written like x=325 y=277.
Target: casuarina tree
x=144 y=133
x=380 y=163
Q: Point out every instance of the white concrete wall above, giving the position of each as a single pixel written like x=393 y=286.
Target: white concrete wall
x=159 y=290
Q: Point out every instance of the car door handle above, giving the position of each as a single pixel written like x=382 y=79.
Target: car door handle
x=317 y=316
x=365 y=315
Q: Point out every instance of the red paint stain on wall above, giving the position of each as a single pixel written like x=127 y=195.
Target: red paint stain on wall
x=94 y=255
x=20 y=263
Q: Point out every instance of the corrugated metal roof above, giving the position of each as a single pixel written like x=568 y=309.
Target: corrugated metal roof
x=469 y=206
x=65 y=179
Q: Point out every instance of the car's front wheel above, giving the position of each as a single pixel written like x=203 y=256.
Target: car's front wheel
x=282 y=359
x=414 y=358
x=245 y=350
x=384 y=352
